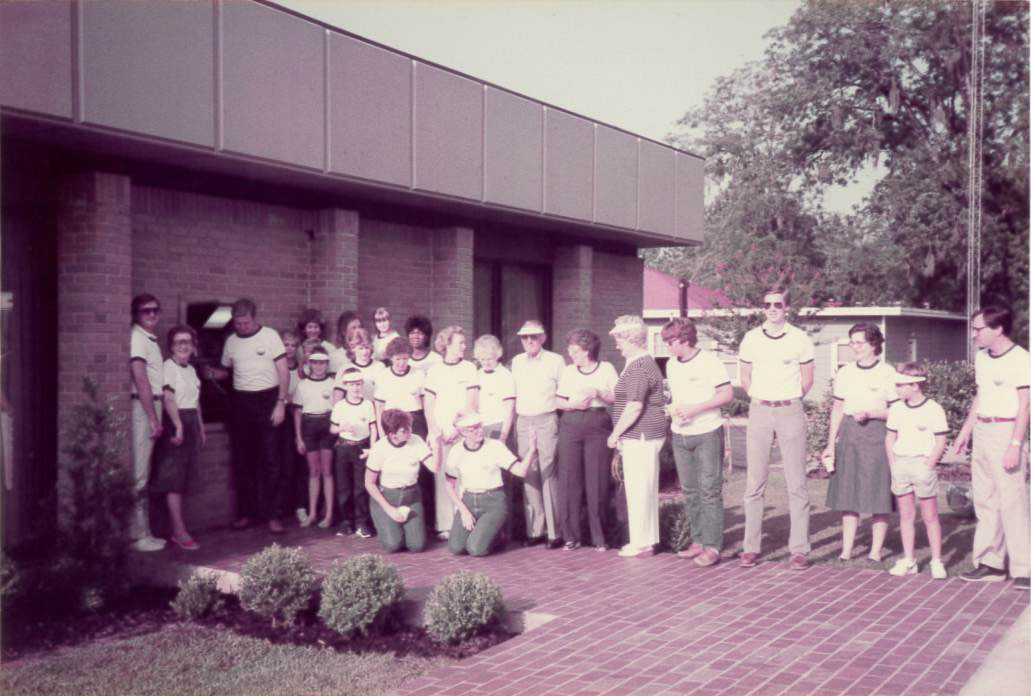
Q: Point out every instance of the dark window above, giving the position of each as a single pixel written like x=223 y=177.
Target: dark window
x=505 y=295
x=213 y=322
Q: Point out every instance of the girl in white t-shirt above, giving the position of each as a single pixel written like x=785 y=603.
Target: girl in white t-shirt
x=314 y=398
x=392 y=481
x=384 y=334
x=178 y=449
x=311 y=325
x=359 y=354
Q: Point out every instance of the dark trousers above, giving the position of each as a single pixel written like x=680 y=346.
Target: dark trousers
x=349 y=473
x=583 y=465
x=295 y=466
x=256 y=457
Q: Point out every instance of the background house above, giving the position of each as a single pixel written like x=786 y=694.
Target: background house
x=208 y=150
x=910 y=333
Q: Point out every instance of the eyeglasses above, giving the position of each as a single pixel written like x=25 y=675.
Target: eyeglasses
x=856 y=344
x=534 y=337
x=978 y=329
x=150 y=310
x=773 y=305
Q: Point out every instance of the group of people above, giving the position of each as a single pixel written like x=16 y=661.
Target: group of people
x=402 y=436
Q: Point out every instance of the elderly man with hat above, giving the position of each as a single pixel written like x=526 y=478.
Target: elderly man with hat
x=536 y=373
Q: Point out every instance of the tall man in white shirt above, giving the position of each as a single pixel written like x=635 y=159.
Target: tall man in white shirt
x=998 y=422
x=145 y=371
x=260 y=381
x=536 y=373
x=776 y=361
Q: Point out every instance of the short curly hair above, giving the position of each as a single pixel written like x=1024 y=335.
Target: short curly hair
x=585 y=339
x=680 y=329
x=397 y=346
x=311 y=316
x=418 y=321
x=871 y=334
x=443 y=339
x=395 y=419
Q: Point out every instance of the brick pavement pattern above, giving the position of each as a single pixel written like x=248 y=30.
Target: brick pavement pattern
x=661 y=625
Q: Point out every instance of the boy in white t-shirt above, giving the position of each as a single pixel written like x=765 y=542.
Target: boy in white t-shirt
x=354 y=419
x=314 y=397
x=914 y=442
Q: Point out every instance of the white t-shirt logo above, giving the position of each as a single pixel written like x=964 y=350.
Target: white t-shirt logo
x=261 y=351
x=922 y=428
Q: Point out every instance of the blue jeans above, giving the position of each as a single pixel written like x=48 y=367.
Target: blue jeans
x=394 y=536
x=490 y=510
x=699 y=461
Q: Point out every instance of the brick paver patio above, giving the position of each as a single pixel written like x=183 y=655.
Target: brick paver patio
x=661 y=625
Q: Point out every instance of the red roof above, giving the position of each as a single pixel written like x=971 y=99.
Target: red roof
x=662 y=292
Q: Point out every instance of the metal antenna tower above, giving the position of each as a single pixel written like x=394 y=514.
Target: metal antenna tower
x=975 y=135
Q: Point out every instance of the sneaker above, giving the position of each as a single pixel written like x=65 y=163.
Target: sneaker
x=306 y=520
x=984 y=573
x=747 y=559
x=301 y=514
x=629 y=551
x=571 y=546
x=148 y=543
x=799 y=561
x=1021 y=583
x=904 y=566
x=325 y=523
x=692 y=551
x=708 y=557
x=364 y=533
x=443 y=536
x=938 y=569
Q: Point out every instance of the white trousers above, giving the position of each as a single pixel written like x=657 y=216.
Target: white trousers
x=142 y=449
x=445 y=509
x=1000 y=501
x=641 y=482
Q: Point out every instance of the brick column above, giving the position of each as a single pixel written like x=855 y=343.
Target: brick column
x=94 y=291
x=571 y=289
x=333 y=284
x=451 y=292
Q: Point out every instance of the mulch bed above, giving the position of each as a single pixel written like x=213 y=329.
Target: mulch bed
x=146 y=610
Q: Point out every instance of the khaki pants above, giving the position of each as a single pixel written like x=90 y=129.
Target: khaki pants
x=1000 y=501
x=142 y=449
x=540 y=486
x=788 y=423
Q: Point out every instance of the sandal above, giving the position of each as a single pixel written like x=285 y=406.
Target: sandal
x=186 y=544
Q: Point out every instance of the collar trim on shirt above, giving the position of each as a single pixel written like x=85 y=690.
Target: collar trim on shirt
x=473 y=449
x=317 y=379
x=146 y=333
x=596 y=366
x=770 y=336
x=996 y=357
x=355 y=403
x=250 y=335
x=451 y=364
x=697 y=353
x=388 y=439
x=908 y=405
x=358 y=364
x=408 y=368
x=868 y=367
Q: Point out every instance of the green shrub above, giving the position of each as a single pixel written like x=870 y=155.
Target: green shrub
x=277 y=583
x=461 y=606
x=818 y=423
x=360 y=595
x=97 y=498
x=674 y=530
x=738 y=406
x=952 y=385
x=198 y=596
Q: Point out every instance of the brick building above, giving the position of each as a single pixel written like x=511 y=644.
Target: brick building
x=209 y=150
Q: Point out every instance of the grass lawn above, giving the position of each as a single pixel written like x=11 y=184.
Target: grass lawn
x=825 y=528
x=192 y=659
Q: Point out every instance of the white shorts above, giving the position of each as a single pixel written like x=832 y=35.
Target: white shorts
x=912 y=475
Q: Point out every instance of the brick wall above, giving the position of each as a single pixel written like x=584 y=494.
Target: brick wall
x=93 y=293
x=333 y=279
x=617 y=284
x=571 y=291
x=395 y=270
x=452 y=278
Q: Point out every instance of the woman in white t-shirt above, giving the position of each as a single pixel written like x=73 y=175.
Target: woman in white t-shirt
x=178 y=450
x=392 y=481
x=861 y=479
x=497 y=388
x=584 y=391
x=476 y=463
x=451 y=388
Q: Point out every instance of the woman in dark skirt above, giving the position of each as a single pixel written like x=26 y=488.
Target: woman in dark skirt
x=178 y=449
x=861 y=479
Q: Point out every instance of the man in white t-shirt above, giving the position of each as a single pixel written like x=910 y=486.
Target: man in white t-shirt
x=776 y=361
x=698 y=386
x=998 y=422
x=536 y=373
x=257 y=357
x=146 y=378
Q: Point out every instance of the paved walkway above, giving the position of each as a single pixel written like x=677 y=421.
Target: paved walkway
x=662 y=625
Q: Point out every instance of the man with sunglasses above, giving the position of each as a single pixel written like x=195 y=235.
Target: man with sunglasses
x=536 y=373
x=146 y=380
x=776 y=361
x=997 y=423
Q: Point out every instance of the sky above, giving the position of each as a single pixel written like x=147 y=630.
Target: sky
x=635 y=64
